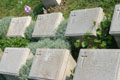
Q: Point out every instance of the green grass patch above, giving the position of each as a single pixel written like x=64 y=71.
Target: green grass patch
x=16 y=7
x=13 y=42
x=69 y=5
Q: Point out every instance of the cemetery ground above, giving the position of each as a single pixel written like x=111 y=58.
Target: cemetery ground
x=15 y=8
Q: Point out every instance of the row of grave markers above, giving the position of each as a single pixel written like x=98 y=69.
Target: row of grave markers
x=48 y=64
x=80 y=22
x=58 y=64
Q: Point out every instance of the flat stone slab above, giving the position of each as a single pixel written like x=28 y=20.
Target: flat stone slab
x=47 y=24
x=50 y=3
x=1 y=54
x=98 y=64
x=84 y=22
x=12 y=60
x=115 y=25
x=18 y=26
x=51 y=64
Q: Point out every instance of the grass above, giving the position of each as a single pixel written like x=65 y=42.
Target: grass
x=69 y=5
x=16 y=7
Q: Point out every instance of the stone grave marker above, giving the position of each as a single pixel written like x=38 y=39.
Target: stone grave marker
x=51 y=3
x=12 y=60
x=47 y=24
x=18 y=26
x=98 y=64
x=84 y=22
x=52 y=64
x=1 y=53
x=115 y=25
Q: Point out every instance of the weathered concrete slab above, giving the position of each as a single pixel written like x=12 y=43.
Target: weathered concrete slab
x=1 y=54
x=52 y=64
x=12 y=60
x=98 y=64
x=115 y=25
x=47 y=24
x=18 y=26
x=50 y=3
x=84 y=22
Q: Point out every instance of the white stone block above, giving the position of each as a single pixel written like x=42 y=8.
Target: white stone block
x=98 y=64
x=115 y=25
x=1 y=54
x=47 y=24
x=84 y=22
x=51 y=3
x=52 y=64
x=12 y=60
x=18 y=26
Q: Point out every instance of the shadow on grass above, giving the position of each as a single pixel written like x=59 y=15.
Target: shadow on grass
x=38 y=10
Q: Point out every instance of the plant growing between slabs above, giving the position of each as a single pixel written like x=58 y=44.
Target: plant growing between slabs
x=4 y=25
x=77 y=44
x=29 y=31
x=48 y=43
x=24 y=71
x=102 y=40
x=29 y=12
x=13 y=42
x=28 y=9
